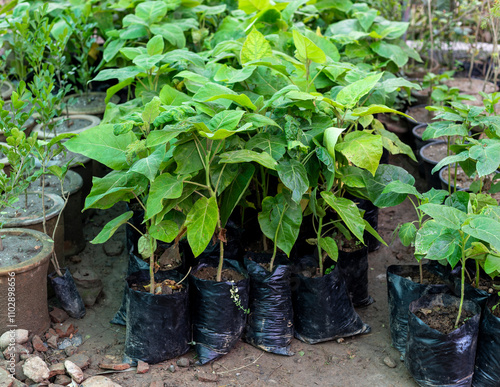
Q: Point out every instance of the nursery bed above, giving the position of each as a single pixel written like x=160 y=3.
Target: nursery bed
x=360 y=361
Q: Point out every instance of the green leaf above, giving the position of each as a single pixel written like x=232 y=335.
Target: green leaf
x=444 y=128
x=155 y=45
x=227 y=119
x=200 y=223
x=350 y=95
x=165 y=231
x=348 y=212
x=112 y=49
x=390 y=51
x=492 y=264
x=187 y=158
x=401 y=188
x=99 y=143
x=160 y=137
x=149 y=166
x=146 y=62
x=172 y=97
x=435 y=196
x=266 y=142
x=407 y=233
x=151 y=11
x=163 y=187
x=151 y=110
x=110 y=228
x=294 y=176
x=330 y=246
x=487 y=155
x=375 y=109
x=145 y=247
x=235 y=192
x=280 y=221
x=171 y=33
x=375 y=185
x=255 y=47
x=330 y=139
x=446 y=246
x=212 y=91
x=250 y=6
x=446 y=216
x=132 y=52
x=307 y=50
x=121 y=74
x=245 y=155
x=462 y=156
x=485 y=229
x=362 y=149
x=393 y=144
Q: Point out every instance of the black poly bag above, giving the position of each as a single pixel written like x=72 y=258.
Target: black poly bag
x=270 y=322
x=322 y=308
x=487 y=369
x=436 y=359
x=158 y=326
x=218 y=322
x=471 y=293
x=353 y=266
x=401 y=292
x=67 y=294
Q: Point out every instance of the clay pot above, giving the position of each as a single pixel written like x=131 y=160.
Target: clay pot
x=35 y=221
x=80 y=123
x=30 y=290
x=6 y=90
x=96 y=105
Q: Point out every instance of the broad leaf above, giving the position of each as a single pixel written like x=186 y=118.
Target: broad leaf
x=362 y=149
x=255 y=47
x=149 y=166
x=485 y=229
x=163 y=187
x=151 y=11
x=487 y=155
x=330 y=246
x=201 y=222
x=274 y=145
x=110 y=228
x=446 y=216
x=348 y=212
x=350 y=95
x=294 y=176
x=407 y=233
x=165 y=231
x=187 y=158
x=307 y=50
x=242 y=156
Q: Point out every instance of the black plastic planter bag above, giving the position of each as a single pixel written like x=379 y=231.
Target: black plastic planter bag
x=218 y=322
x=157 y=325
x=437 y=359
x=270 y=322
x=354 y=268
x=322 y=308
x=135 y=264
x=67 y=294
x=487 y=369
x=471 y=293
x=401 y=292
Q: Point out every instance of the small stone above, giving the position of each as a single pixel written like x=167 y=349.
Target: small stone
x=183 y=362
x=36 y=369
x=63 y=380
x=206 y=377
x=77 y=340
x=171 y=368
x=38 y=344
x=113 y=248
x=116 y=367
x=52 y=342
x=18 y=336
x=70 y=350
x=64 y=344
x=57 y=369
x=389 y=362
x=5 y=378
x=81 y=360
x=65 y=329
x=55 y=385
x=17 y=350
x=58 y=315
x=99 y=381
x=142 y=367
x=272 y=381
x=74 y=371
x=19 y=371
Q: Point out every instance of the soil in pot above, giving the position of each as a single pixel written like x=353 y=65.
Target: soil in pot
x=403 y=287
x=420 y=114
x=463 y=181
x=68 y=124
x=439 y=359
x=323 y=310
x=24 y=263
x=158 y=326
x=270 y=322
x=93 y=103
x=487 y=367
x=218 y=310
x=210 y=274
x=443 y=319
x=431 y=154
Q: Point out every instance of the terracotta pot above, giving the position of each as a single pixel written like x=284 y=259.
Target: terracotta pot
x=30 y=290
x=35 y=221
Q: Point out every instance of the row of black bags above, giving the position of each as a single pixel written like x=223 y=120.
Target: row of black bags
x=282 y=304
x=468 y=356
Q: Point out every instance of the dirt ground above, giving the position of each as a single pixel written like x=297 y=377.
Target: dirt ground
x=358 y=361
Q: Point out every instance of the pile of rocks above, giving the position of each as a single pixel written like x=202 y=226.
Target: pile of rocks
x=51 y=359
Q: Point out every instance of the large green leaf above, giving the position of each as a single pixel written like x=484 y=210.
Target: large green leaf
x=446 y=216
x=407 y=233
x=149 y=166
x=390 y=51
x=151 y=11
x=462 y=156
x=399 y=187
x=375 y=109
x=155 y=45
x=99 y=143
x=307 y=50
x=235 y=191
x=121 y=74
x=245 y=155
x=171 y=33
x=446 y=246
x=487 y=155
x=163 y=187
x=375 y=185
x=294 y=176
x=187 y=158
x=492 y=264
x=444 y=128
x=330 y=139
x=330 y=246
x=393 y=143
x=172 y=97
x=201 y=222
x=362 y=149
x=280 y=221
x=227 y=119
x=212 y=91
x=255 y=47
x=348 y=212
x=485 y=229
x=273 y=144
x=165 y=231
x=350 y=95
x=110 y=228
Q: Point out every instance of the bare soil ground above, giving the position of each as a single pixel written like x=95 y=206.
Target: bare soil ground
x=358 y=361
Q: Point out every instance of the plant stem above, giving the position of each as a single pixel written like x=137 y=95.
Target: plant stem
x=318 y=236
x=477 y=274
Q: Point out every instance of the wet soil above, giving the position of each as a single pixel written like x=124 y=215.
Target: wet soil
x=357 y=361
x=442 y=318
x=18 y=249
x=348 y=245
x=435 y=152
x=421 y=114
x=165 y=287
x=26 y=209
x=428 y=278
x=210 y=274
